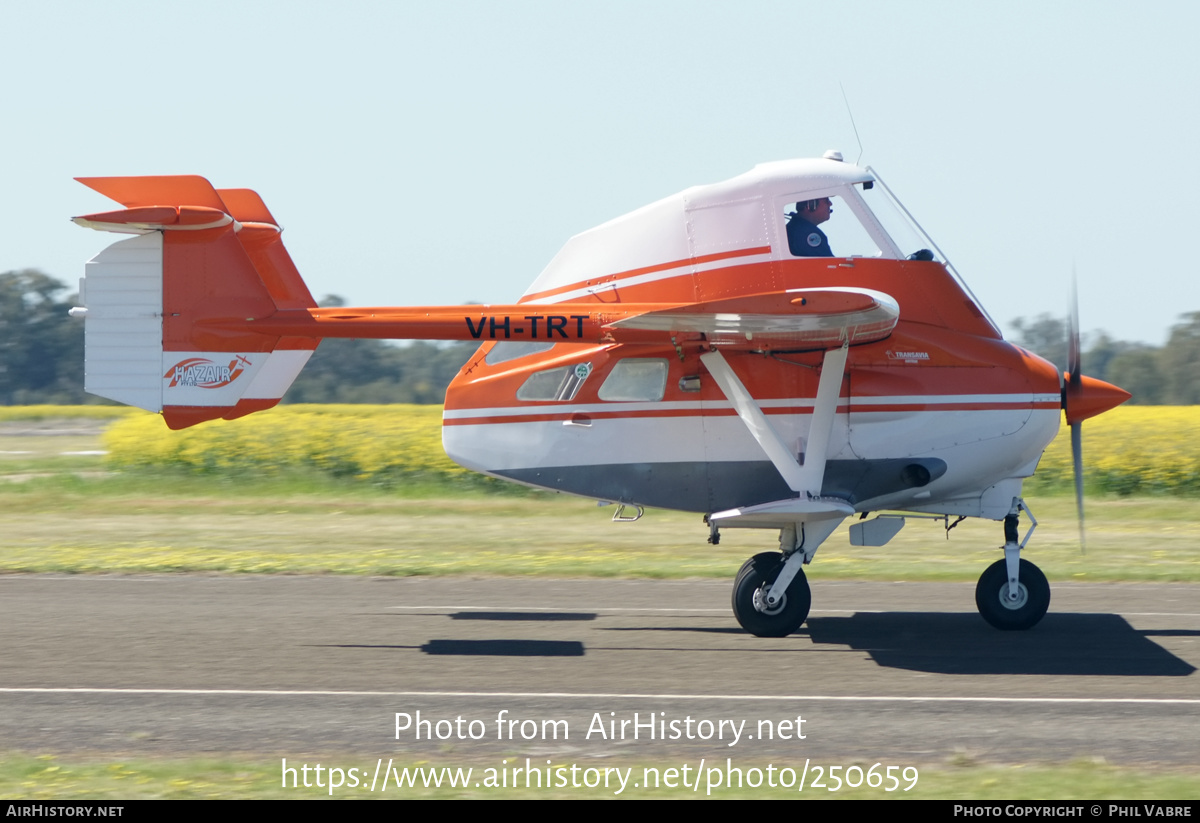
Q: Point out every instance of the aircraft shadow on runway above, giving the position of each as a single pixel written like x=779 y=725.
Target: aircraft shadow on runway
x=1062 y=644
x=941 y=643
x=935 y=642
x=483 y=648
x=506 y=648
x=512 y=648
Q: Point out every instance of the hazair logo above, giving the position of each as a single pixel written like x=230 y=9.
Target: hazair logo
x=202 y=373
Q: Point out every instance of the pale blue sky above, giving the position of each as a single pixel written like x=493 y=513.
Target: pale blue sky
x=421 y=153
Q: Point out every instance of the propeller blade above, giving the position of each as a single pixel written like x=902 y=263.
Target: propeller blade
x=1074 y=354
x=1077 y=462
x=1074 y=393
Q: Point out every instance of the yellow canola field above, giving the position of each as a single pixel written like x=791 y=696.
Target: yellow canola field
x=26 y=413
x=367 y=442
x=1132 y=449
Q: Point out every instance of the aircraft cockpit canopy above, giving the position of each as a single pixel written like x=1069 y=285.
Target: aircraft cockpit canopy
x=820 y=207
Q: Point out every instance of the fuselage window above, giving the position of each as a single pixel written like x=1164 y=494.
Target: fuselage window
x=636 y=378
x=504 y=351
x=555 y=384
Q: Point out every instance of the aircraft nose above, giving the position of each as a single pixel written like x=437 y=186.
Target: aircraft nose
x=1090 y=398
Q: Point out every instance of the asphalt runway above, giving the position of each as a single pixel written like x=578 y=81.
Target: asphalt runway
x=299 y=667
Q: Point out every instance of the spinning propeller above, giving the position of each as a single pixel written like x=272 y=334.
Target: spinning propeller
x=1083 y=397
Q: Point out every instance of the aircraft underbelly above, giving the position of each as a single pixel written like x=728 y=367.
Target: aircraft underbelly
x=706 y=460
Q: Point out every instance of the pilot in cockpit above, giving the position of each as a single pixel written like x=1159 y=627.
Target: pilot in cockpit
x=804 y=238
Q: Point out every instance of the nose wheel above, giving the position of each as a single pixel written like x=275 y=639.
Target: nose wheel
x=1008 y=610
x=750 y=606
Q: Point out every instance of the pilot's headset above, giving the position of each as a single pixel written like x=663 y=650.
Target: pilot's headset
x=807 y=205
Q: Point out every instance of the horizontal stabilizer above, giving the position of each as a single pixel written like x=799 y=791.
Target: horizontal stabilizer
x=168 y=190
x=245 y=206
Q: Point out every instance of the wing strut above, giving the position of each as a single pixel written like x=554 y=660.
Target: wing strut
x=806 y=521
x=805 y=478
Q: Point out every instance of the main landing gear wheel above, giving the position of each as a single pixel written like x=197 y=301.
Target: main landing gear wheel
x=991 y=596
x=750 y=589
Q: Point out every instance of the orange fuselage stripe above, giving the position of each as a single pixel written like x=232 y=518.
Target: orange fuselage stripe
x=604 y=279
x=567 y=414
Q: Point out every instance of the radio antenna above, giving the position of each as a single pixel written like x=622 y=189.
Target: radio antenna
x=852 y=124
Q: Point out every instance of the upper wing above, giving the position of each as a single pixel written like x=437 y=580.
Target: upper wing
x=817 y=317
x=799 y=318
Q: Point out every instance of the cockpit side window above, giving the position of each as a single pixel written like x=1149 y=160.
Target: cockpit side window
x=826 y=227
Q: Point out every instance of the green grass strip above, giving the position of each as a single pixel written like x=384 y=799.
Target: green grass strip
x=169 y=523
x=24 y=777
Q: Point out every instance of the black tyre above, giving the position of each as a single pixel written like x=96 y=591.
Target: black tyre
x=991 y=597
x=750 y=589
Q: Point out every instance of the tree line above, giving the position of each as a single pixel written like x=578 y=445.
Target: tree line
x=1167 y=375
x=41 y=356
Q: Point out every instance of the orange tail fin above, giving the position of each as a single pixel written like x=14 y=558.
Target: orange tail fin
x=153 y=301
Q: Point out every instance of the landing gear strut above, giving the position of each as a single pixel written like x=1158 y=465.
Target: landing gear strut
x=1013 y=594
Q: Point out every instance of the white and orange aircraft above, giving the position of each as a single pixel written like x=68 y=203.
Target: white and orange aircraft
x=715 y=351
